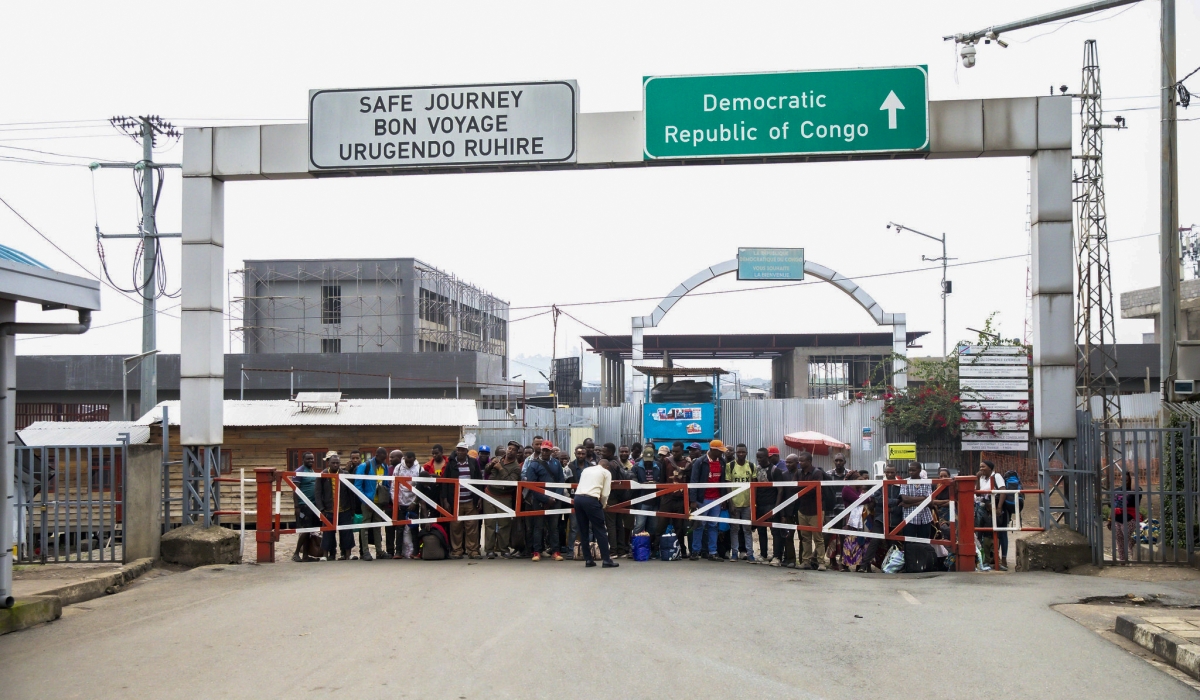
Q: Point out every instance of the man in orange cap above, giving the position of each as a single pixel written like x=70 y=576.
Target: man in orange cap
x=709 y=469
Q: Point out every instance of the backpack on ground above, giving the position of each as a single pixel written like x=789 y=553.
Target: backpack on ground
x=668 y=547
x=919 y=558
x=434 y=543
x=1012 y=482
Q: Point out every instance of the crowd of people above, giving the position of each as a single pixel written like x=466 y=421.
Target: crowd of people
x=583 y=529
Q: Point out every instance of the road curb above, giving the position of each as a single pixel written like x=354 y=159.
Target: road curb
x=1178 y=651
x=27 y=612
x=48 y=605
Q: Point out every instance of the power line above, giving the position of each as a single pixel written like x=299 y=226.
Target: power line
x=797 y=284
x=68 y=255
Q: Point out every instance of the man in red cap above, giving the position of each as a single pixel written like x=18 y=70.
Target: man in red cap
x=709 y=469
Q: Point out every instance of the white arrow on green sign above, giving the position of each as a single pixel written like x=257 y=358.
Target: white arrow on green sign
x=868 y=110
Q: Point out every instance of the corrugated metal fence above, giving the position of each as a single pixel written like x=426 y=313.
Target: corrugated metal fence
x=757 y=423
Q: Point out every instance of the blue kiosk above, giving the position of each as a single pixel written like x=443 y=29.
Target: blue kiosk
x=686 y=410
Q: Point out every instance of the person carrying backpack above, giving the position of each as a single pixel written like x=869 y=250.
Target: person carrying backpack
x=989 y=480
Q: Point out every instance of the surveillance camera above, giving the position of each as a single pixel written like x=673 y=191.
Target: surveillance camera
x=968 y=55
x=1062 y=89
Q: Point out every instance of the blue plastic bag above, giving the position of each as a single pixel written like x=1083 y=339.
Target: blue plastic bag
x=641 y=547
x=723 y=526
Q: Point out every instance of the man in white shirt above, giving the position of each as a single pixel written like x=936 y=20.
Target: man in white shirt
x=591 y=497
x=408 y=508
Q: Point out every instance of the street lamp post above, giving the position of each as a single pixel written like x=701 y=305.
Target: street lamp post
x=136 y=359
x=945 y=283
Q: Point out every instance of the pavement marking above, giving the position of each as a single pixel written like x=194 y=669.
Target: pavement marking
x=908 y=597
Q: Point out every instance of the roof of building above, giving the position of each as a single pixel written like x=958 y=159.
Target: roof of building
x=57 y=433
x=742 y=345
x=17 y=256
x=438 y=412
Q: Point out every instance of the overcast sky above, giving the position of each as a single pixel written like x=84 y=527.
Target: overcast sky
x=565 y=237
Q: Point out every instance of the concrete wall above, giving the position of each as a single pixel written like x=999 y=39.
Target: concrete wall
x=143 y=502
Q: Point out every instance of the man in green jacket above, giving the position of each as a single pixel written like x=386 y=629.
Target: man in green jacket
x=740 y=470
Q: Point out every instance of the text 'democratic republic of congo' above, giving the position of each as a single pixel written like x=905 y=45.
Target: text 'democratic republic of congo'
x=871 y=110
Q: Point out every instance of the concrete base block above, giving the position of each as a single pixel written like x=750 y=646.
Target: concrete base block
x=195 y=545
x=27 y=612
x=1056 y=549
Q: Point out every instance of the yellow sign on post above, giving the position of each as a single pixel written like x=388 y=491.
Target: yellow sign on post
x=902 y=450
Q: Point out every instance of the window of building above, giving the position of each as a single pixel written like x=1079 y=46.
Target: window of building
x=331 y=304
x=434 y=307
x=331 y=345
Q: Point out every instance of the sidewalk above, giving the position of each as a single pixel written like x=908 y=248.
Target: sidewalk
x=1174 y=636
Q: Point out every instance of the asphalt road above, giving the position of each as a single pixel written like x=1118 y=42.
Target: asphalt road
x=515 y=629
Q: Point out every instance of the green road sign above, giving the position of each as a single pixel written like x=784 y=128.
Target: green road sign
x=869 y=110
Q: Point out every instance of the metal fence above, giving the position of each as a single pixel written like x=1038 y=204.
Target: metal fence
x=69 y=503
x=757 y=423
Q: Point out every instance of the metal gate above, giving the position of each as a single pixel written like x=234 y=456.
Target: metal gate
x=69 y=503
x=1145 y=493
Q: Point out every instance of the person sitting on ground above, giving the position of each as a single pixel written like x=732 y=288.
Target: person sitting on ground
x=852 y=549
x=591 y=498
x=305 y=517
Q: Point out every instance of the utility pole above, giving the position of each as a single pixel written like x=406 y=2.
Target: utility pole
x=1168 y=235
x=1095 y=327
x=145 y=130
x=946 y=286
x=148 y=386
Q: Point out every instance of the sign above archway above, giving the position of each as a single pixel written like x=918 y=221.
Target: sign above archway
x=869 y=110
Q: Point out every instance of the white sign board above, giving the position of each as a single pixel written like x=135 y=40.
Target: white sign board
x=460 y=125
x=994 y=384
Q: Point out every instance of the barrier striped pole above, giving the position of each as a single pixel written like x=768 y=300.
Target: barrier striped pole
x=264 y=534
x=964 y=548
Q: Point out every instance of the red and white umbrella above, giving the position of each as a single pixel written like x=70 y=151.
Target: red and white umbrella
x=814 y=442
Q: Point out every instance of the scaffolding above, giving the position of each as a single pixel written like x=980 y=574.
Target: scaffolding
x=318 y=306
x=454 y=316
x=336 y=306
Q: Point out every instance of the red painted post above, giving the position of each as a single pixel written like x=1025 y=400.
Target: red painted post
x=964 y=548
x=264 y=522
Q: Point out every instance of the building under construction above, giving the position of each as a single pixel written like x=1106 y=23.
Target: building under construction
x=362 y=306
